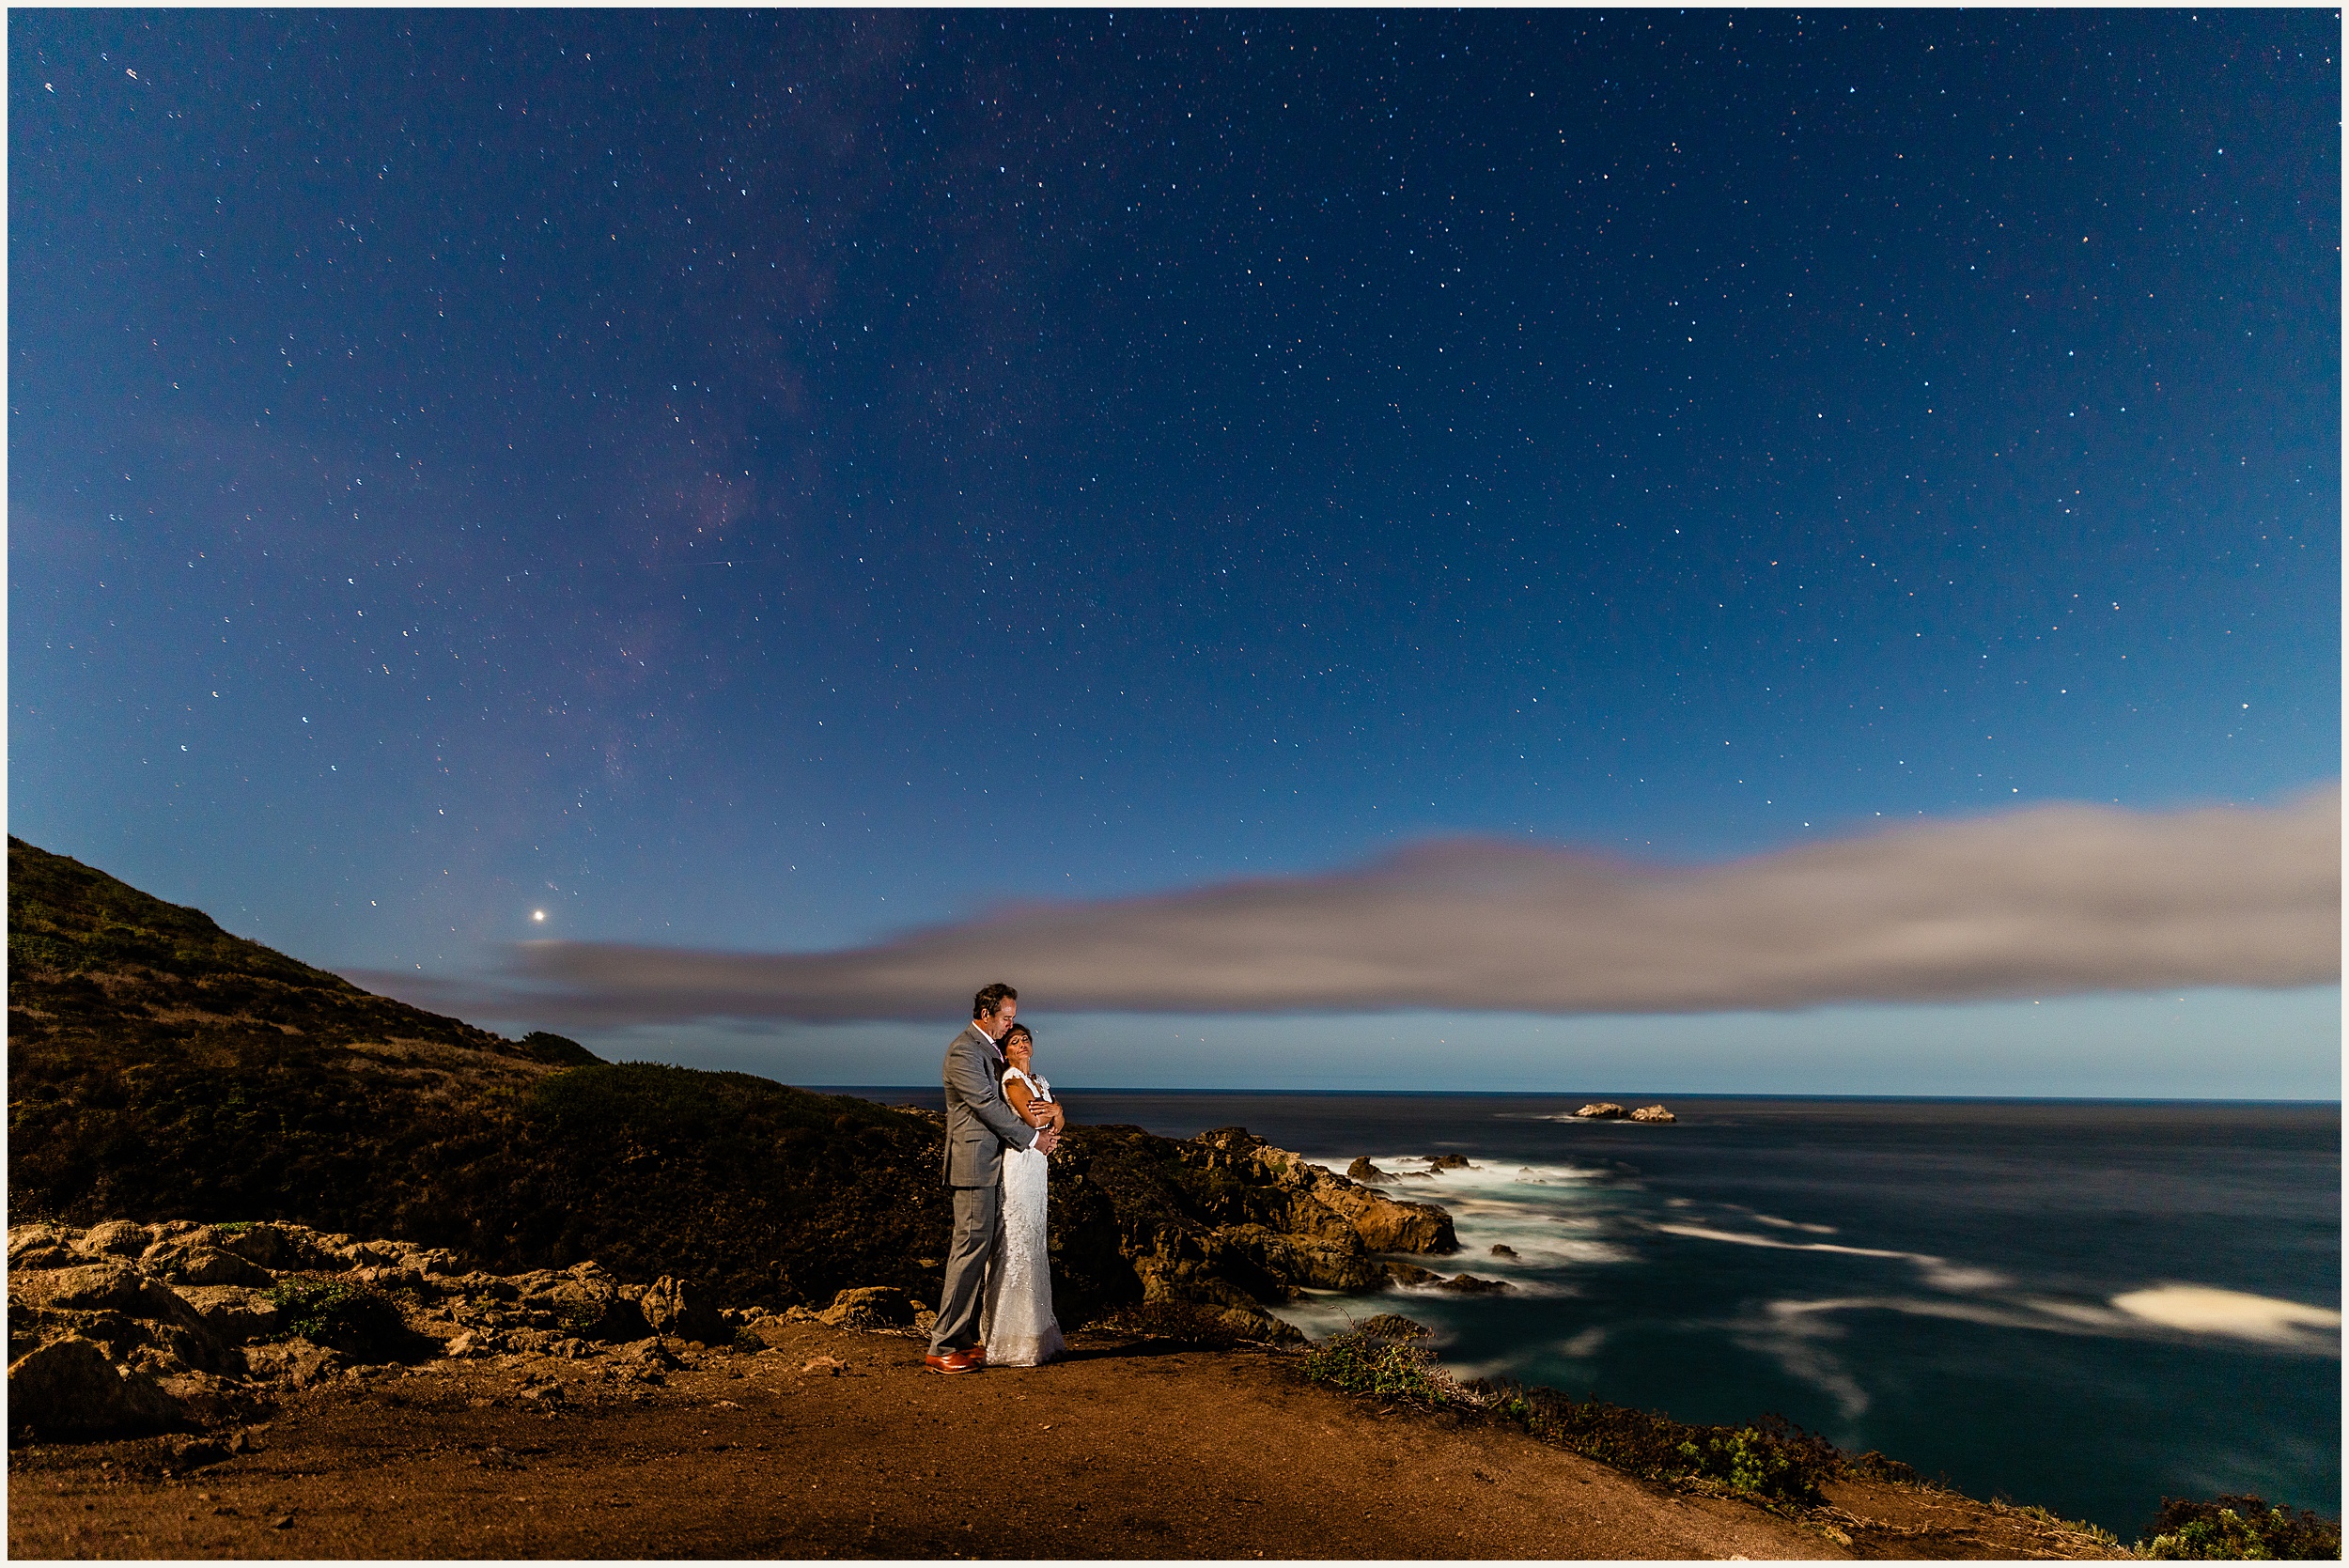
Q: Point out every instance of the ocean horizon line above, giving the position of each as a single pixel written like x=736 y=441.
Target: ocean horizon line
x=1631 y=1094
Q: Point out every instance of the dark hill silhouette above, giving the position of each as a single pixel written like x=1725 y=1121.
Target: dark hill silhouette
x=161 y=1068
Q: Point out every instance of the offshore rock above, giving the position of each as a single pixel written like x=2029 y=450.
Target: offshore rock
x=1449 y=1162
x=1601 y=1111
x=1652 y=1113
x=1363 y=1171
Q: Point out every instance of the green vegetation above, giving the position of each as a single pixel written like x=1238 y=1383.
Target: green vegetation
x=2239 y=1528
x=350 y=1318
x=1771 y=1462
x=1381 y=1368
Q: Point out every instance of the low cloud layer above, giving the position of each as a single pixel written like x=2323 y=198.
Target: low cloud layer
x=2040 y=901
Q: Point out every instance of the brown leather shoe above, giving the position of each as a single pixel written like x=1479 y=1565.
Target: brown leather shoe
x=955 y=1360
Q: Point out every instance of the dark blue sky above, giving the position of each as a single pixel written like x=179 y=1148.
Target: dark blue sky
x=766 y=482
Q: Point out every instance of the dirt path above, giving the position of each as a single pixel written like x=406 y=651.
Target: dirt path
x=1126 y=1450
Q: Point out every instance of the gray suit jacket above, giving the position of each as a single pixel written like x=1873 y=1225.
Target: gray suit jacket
x=979 y=1121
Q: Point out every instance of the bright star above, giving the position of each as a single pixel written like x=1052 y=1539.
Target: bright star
x=538 y=914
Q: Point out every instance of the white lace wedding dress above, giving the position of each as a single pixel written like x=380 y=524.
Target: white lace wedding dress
x=1017 y=1324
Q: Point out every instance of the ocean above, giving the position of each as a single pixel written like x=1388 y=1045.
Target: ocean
x=2086 y=1305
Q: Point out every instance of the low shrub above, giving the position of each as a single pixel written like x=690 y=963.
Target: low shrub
x=1770 y=1462
x=1383 y=1368
x=357 y=1321
x=2238 y=1528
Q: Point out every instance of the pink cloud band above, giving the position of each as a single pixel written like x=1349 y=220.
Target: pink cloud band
x=2038 y=902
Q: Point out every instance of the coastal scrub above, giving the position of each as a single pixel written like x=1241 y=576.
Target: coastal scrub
x=2238 y=1528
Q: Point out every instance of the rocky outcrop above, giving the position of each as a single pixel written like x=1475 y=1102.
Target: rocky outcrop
x=1601 y=1111
x=670 y=1307
x=1363 y=1171
x=1448 y=1162
x=1222 y=1222
x=123 y=1328
x=1469 y=1284
x=1652 y=1113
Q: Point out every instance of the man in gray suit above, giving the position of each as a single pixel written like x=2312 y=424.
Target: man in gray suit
x=979 y=1123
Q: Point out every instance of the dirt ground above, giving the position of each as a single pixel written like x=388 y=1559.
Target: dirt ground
x=1129 y=1448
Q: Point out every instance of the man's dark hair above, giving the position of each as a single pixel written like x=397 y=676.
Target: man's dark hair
x=990 y=999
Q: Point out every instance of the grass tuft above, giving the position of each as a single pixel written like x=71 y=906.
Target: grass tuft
x=1368 y=1363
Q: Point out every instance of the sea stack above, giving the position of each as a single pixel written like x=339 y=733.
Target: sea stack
x=1601 y=1111
x=1652 y=1113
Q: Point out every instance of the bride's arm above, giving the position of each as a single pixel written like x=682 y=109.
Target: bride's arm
x=1031 y=1109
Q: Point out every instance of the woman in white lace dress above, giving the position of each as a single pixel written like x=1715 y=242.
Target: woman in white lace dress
x=1017 y=1324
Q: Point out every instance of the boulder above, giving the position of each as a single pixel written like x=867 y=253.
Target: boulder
x=277 y=1247
x=69 y=1386
x=233 y=1314
x=671 y=1307
x=650 y=1355
x=1449 y=1162
x=1391 y=1326
x=1363 y=1171
x=110 y=1286
x=1469 y=1284
x=1387 y=1224
x=1502 y=1251
x=1601 y=1111
x=1411 y=1273
x=871 y=1307
x=42 y=1247
x=118 y=1238
x=1652 y=1113
x=176 y=1263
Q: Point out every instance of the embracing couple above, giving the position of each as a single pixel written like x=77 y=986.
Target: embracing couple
x=1000 y=1122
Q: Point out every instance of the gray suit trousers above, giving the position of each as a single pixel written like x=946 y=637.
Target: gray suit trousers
x=978 y=1232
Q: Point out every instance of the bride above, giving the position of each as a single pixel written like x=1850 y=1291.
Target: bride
x=1017 y=1324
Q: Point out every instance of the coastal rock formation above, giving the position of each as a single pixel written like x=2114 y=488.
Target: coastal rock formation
x=1363 y=1171
x=1449 y=1162
x=1469 y=1284
x=1652 y=1113
x=1225 y=1220
x=1391 y=1326
x=1499 y=1250
x=1601 y=1111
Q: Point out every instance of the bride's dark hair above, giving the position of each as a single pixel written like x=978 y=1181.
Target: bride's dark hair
x=1023 y=1031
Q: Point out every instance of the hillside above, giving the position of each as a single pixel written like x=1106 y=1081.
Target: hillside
x=161 y=1068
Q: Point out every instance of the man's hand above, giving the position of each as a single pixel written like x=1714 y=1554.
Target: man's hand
x=1047 y=1140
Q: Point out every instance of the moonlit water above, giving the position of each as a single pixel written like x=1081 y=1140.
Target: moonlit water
x=2084 y=1305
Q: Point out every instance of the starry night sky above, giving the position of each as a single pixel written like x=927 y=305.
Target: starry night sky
x=766 y=482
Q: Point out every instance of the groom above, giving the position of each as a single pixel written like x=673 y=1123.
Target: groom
x=978 y=1125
